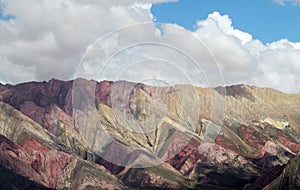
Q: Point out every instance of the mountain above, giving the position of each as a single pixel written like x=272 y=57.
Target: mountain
x=85 y=134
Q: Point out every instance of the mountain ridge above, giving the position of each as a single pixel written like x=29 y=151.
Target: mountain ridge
x=203 y=136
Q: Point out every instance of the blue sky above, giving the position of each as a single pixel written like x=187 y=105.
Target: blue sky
x=2 y=16
x=265 y=20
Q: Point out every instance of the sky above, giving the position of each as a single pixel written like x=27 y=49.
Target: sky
x=202 y=42
x=266 y=20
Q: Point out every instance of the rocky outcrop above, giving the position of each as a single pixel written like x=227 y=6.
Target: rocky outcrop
x=289 y=178
x=285 y=176
x=39 y=163
x=157 y=177
x=53 y=169
x=11 y=180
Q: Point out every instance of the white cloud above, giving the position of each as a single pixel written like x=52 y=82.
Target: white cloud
x=246 y=60
x=225 y=25
x=283 y=2
x=226 y=44
x=51 y=35
x=47 y=39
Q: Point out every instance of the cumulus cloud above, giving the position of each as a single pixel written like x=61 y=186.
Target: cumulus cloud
x=247 y=60
x=48 y=38
x=226 y=44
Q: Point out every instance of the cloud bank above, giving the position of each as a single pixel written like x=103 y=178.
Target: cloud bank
x=47 y=39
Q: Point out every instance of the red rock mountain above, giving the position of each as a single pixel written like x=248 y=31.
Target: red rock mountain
x=119 y=135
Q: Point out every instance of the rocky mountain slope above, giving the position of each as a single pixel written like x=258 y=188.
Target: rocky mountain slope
x=119 y=135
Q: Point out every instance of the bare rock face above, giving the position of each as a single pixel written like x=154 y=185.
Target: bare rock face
x=279 y=177
x=53 y=169
x=289 y=178
x=201 y=138
x=35 y=162
x=11 y=180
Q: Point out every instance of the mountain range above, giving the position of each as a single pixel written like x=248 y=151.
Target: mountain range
x=84 y=134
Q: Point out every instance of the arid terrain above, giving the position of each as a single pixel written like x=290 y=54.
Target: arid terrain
x=119 y=135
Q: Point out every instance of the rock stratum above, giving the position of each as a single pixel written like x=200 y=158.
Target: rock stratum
x=85 y=134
